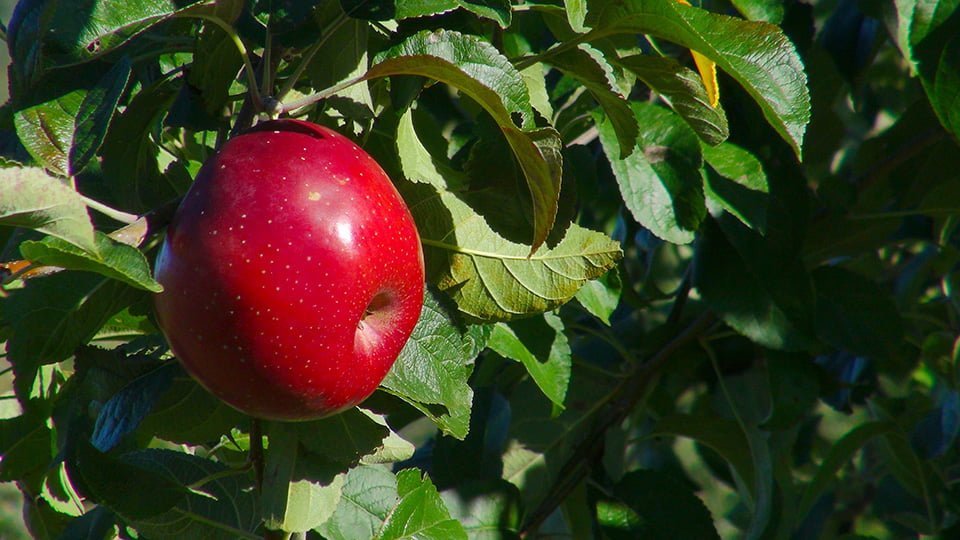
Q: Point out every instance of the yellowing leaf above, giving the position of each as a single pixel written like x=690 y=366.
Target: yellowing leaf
x=708 y=72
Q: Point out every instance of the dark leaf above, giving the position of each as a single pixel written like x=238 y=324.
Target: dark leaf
x=126 y=409
x=760 y=293
x=855 y=314
x=654 y=505
x=125 y=487
x=218 y=506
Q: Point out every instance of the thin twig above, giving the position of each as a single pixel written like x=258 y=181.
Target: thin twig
x=626 y=397
x=681 y=299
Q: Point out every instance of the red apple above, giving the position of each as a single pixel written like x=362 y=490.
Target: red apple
x=292 y=273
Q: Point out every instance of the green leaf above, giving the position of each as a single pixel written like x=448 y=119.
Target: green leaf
x=491 y=278
x=465 y=62
x=534 y=78
x=96 y=523
x=218 y=506
x=124 y=411
x=762 y=293
x=129 y=155
x=601 y=296
x=96 y=28
x=420 y=513
x=112 y=259
x=347 y=437
x=369 y=493
x=119 y=483
x=757 y=54
x=855 y=314
x=210 y=418
x=416 y=161
x=917 y=19
x=58 y=491
x=343 y=56
x=682 y=88
x=499 y=11
x=541 y=346
x=382 y=10
x=588 y=66
x=301 y=490
x=576 y=14
x=25 y=444
x=660 y=182
x=54 y=315
x=488 y=510
x=64 y=131
x=478 y=70
x=215 y=66
x=771 y=11
x=944 y=89
x=31 y=198
x=434 y=366
x=736 y=182
x=654 y=505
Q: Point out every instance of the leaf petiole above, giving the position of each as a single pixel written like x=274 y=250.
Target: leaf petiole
x=113 y=213
x=321 y=95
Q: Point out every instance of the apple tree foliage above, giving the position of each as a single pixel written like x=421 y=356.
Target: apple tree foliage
x=692 y=270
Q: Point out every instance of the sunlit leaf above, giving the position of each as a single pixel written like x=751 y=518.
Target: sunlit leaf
x=477 y=69
x=757 y=54
x=31 y=198
x=112 y=259
x=434 y=365
x=491 y=278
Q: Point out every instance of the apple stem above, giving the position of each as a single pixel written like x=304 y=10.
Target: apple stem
x=308 y=56
x=112 y=213
x=266 y=81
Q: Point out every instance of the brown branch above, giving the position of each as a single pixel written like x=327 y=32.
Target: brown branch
x=627 y=395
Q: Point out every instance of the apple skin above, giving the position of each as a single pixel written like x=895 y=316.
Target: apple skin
x=292 y=273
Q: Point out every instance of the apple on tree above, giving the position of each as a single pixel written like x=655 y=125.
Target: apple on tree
x=292 y=273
